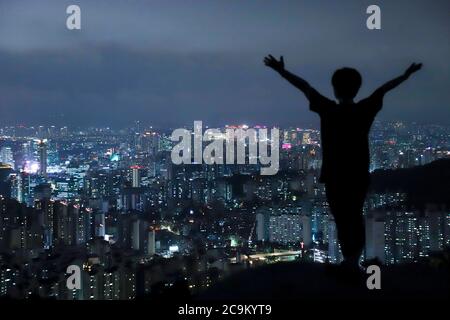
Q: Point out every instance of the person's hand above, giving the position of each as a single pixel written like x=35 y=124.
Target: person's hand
x=271 y=62
x=413 y=68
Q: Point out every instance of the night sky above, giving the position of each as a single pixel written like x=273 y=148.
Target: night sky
x=168 y=63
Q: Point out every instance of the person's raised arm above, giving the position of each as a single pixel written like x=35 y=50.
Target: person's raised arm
x=395 y=82
x=296 y=81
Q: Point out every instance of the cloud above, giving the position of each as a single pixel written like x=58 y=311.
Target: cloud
x=179 y=61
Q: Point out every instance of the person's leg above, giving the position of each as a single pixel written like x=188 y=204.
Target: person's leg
x=355 y=235
x=346 y=204
x=336 y=201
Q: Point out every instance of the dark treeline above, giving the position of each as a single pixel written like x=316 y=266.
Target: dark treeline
x=427 y=184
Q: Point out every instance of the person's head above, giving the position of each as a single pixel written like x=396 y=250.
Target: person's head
x=346 y=83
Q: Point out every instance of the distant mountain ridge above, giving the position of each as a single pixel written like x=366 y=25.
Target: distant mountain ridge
x=427 y=184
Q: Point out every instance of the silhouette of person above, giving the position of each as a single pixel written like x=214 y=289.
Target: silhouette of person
x=345 y=130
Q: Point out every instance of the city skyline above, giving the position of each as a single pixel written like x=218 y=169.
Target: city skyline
x=114 y=205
